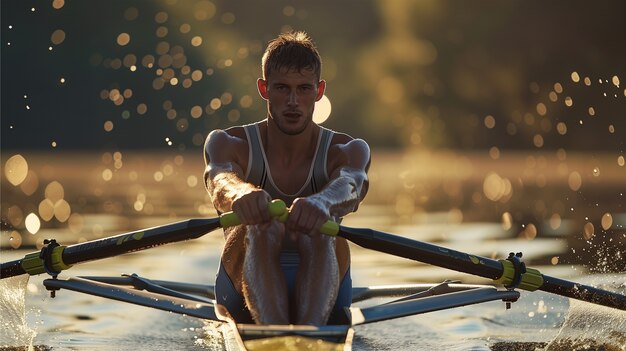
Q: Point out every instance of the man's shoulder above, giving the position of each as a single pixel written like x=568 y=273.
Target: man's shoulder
x=230 y=134
x=346 y=150
x=342 y=139
x=236 y=131
x=232 y=138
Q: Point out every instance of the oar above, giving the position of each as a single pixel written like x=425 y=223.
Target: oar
x=509 y=272
x=56 y=258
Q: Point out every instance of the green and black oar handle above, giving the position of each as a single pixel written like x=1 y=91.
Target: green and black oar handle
x=510 y=272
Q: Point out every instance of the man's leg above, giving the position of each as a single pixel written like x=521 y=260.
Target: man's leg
x=317 y=282
x=264 y=285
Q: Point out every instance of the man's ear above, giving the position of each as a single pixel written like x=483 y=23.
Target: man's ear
x=321 y=88
x=261 y=85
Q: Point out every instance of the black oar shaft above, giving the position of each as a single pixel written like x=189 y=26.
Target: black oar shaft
x=139 y=240
x=55 y=258
x=423 y=252
x=471 y=264
x=124 y=243
x=11 y=269
x=583 y=292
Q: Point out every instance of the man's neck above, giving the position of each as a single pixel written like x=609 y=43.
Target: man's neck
x=287 y=147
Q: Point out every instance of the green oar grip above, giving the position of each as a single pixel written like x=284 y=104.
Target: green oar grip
x=330 y=228
x=277 y=208
x=531 y=280
x=33 y=264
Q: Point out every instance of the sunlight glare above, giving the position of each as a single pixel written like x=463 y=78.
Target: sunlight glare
x=322 y=111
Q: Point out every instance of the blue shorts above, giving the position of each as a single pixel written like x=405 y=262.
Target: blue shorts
x=229 y=297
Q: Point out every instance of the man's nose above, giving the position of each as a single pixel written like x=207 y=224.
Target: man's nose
x=293 y=99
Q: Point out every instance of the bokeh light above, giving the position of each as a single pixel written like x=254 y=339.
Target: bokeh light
x=32 y=223
x=123 y=39
x=16 y=169
x=322 y=111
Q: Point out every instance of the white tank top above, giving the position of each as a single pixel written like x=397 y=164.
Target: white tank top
x=259 y=174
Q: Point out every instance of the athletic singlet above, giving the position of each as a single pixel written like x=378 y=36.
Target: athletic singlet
x=258 y=171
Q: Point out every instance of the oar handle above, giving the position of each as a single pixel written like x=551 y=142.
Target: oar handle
x=278 y=210
x=330 y=228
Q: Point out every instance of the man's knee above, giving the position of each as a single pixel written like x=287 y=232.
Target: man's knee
x=263 y=239
x=316 y=247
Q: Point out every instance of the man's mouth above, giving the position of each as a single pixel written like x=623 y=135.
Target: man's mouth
x=292 y=114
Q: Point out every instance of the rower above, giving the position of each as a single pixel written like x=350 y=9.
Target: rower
x=286 y=273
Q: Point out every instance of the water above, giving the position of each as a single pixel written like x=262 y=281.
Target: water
x=74 y=321
x=15 y=329
x=132 y=199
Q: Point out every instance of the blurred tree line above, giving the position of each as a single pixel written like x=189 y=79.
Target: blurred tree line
x=402 y=74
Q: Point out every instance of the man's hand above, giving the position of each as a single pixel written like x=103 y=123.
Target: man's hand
x=306 y=216
x=252 y=207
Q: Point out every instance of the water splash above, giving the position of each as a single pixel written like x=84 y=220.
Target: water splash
x=213 y=337
x=14 y=331
x=593 y=327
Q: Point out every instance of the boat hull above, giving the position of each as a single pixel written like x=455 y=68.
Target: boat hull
x=253 y=337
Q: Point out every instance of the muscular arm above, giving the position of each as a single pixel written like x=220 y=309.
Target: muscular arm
x=223 y=177
x=347 y=187
x=348 y=183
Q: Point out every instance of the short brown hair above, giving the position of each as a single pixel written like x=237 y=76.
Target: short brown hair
x=294 y=51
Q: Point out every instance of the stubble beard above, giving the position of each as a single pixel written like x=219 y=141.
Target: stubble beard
x=288 y=131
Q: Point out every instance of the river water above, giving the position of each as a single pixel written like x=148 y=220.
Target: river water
x=148 y=190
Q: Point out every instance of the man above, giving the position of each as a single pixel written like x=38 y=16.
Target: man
x=286 y=273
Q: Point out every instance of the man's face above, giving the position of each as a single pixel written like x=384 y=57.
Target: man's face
x=291 y=97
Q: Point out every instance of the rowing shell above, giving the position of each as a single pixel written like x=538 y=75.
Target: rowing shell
x=197 y=300
x=252 y=337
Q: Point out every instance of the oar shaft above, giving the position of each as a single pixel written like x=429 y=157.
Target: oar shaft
x=476 y=265
x=116 y=245
x=11 y=269
x=139 y=240
x=583 y=292
x=422 y=252
x=59 y=257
